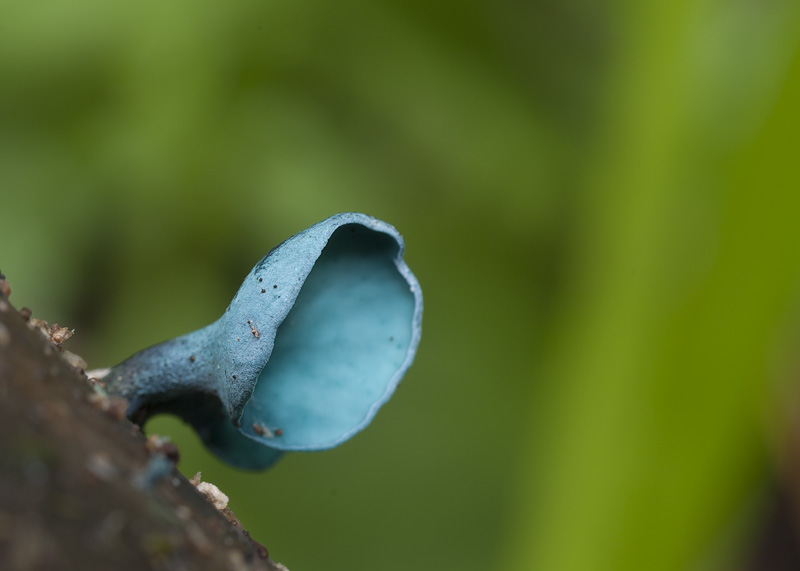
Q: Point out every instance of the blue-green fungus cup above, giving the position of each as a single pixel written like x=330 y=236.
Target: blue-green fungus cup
x=314 y=342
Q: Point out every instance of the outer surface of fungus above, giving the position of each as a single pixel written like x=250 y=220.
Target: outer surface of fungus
x=314 y=342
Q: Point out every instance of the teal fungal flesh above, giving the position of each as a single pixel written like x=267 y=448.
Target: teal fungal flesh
x=314 y=342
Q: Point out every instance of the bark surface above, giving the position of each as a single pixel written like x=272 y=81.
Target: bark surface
x=81 y=487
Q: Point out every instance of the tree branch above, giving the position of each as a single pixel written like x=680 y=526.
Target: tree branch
x=79 y=486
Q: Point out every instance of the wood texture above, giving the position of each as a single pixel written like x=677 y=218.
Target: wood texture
x=79 y=486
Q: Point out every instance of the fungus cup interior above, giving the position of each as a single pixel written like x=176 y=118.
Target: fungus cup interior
x=340 y=351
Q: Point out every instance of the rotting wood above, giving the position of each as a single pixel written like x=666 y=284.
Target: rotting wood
x=79 y=488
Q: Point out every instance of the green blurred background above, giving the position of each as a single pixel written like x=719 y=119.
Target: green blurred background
x=600 y=201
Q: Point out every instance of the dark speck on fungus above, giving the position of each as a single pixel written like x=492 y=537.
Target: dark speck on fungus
x=253 y=329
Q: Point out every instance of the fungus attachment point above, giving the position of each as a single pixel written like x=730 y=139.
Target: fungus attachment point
x=313 y=361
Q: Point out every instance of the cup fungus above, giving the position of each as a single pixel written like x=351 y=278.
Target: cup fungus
x=314 y=342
